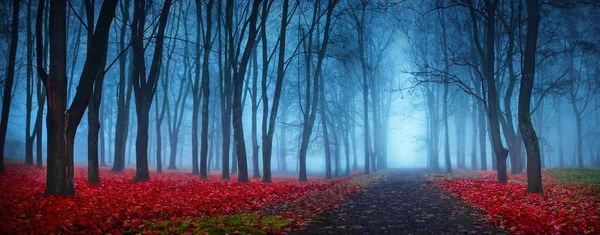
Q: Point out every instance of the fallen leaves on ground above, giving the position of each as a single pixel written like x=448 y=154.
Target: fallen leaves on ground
x=561 y=209
x=116 y=204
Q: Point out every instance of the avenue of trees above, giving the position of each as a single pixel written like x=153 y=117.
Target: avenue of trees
x=256 y=88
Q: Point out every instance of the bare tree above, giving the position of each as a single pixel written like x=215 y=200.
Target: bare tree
x=124 y=91
x=144 y=86
x=10 y=76
x=62 y=125
x=534 y=171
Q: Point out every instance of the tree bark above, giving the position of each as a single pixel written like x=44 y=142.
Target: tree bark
x=62 y=123
x=324 y=129
x=123 y=96
x=534 y=171
x=238 y=84
x=144 y=87
x=225 y=90
x=254 y=96
x=29 y=136
x=10 y=76
x=205 y=91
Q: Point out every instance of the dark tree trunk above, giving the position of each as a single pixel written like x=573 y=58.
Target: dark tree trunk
x=267 y=132
x=309 y=116
x=254 y=97
x=41 y=98
x=534 y=171
x=205 y=91
x=282 y=139
x=124 y=90
x=445 y=94
x=238 y=84
x=144 y=87
x=309 y=111
x=474 y=108
x=102 y=137
x=492 y=95
x=160 y=115
x=324 y=129
x=29 y=136
x=62 y=125
x=224 y=89
x=94 y=104
x=365 y=89
x=8 y=83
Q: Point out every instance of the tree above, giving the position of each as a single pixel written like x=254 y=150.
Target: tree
x=488 y=81
x=445 y=81
x=94 y=103
x=10 y=76
x=175 y=117
x=144 y=86
x=61 y=122
x=205 y=87
x=310 y=107
x=124 y=90
x=29 y=135
x=534 y=171
x=225 y=87
x=238 y=67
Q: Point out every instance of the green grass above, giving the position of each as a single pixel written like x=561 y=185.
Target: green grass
x=576 y=175
x=235 y=224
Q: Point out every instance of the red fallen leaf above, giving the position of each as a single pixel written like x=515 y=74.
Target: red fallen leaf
x=117 y=204
x=561 y=209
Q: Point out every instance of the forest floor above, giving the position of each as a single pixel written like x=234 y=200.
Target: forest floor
x=389 y=202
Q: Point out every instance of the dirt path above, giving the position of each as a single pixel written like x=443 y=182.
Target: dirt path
x=404 y=202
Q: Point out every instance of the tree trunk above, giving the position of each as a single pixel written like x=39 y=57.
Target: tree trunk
x=94 y=107
x=492 y=95
x=8 y=84
x=324 y=129
x=282 y=139
x=62 y=123
x=254 y=101
x=238 y=84
x=144 y=87
x=205 y=91
x=123 y=96
x=309 y=105
x=268 y=131
x=29 y=136
x=41 y=99
x=534 y=171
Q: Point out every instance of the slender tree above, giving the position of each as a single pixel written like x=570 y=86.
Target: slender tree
x=534 y=171
x=239 y=66
x=207 y=44
x=144 y=86
x=10 y=76
x=124 y=90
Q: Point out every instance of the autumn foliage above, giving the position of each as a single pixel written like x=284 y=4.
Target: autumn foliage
x=561 y=209
x=117 y=204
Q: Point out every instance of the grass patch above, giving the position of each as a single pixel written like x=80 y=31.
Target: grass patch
x=576 y=176
x=234 y=224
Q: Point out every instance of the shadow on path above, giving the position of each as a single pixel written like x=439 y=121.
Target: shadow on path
x=404 y=202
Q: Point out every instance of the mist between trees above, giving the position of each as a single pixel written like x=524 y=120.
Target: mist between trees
x=309 y=88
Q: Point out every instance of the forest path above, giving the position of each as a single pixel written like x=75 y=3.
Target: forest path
x=403 y=202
